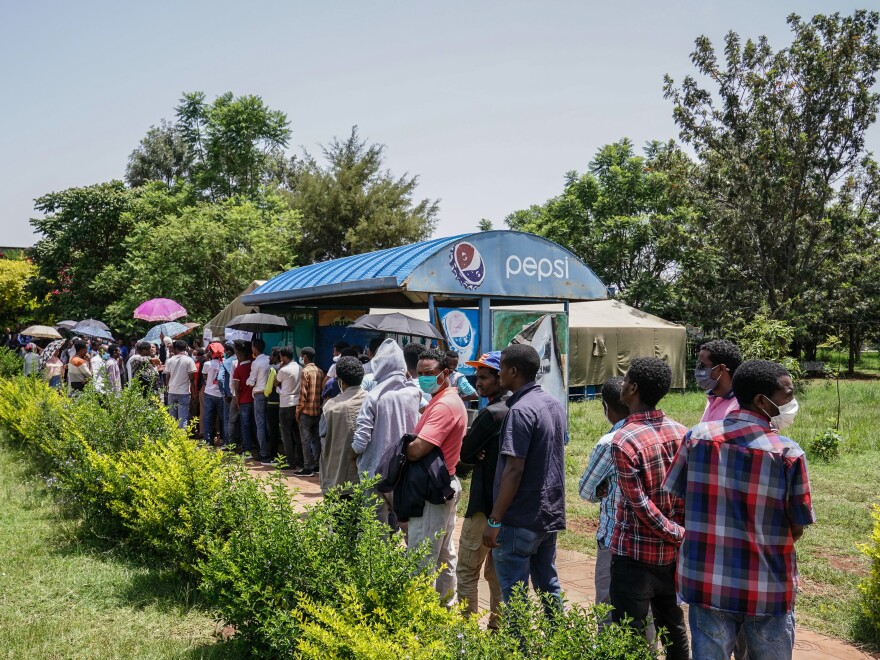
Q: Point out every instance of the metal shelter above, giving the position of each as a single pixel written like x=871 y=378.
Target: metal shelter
x=478 y=270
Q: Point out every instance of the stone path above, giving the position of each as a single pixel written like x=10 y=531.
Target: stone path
x=576 y=575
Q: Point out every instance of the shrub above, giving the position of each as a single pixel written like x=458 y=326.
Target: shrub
x=825 y=446
x=765 y=338
x=870 y=586
x=11 y=363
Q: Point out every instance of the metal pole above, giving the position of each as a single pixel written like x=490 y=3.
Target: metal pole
x=432 y=312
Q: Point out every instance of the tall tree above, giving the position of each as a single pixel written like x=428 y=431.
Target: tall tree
x=353 y=205
x=629 y=219
x=780 y=133
x=162 y=155
x=236 y=142
x=202 y=256
x=17 y=304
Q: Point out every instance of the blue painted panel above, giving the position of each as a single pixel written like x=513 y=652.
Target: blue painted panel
x=506 y=264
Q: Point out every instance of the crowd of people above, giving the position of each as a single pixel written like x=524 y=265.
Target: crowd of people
x=707 y=516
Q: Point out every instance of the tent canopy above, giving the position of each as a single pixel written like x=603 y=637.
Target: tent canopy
x=217 y=325
x=604 y=336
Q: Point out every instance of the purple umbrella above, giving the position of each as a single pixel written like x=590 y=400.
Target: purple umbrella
x=160 y=309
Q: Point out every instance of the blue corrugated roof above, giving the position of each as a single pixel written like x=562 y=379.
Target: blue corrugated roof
x=396 y=262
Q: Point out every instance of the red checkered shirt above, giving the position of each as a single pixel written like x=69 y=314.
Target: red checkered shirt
x=649 y=520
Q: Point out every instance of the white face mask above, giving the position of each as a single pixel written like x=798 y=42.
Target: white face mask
x=785 y=417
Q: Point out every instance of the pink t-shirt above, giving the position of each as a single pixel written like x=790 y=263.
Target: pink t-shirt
x=719 y=407
x=444 y=424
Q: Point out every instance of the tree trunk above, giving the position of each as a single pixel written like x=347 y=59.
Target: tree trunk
x=851 y=366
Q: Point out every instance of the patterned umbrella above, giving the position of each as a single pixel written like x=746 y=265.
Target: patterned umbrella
x=83 y=328
x=49 y=351
x=171 y=329
x=159 y=309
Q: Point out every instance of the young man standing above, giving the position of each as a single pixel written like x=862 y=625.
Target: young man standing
x=308 y=412
x=442 y=426
x=257 y=382
x=287 y=382
x=747 y=501
x=340 y=416
x=599 y=484
x=213 y=407
x=390 y=410
x=457 y=380
x=111 y=368
x=243 y=396
x=180 y=374
x=529 y=493
x=717 y=362
x=78 y=369
x=480 y=449
x=648 y=529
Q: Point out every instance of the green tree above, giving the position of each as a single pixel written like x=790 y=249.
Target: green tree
x=236 y=142
x=776 y=139
x=17 y=303
x=353 y=205
x=162 y=155
x=202 y=256
x=629 y=218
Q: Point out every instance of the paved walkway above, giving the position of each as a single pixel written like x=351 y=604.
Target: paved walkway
x=576 y=575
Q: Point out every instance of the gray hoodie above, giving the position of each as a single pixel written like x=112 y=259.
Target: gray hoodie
x=390 y=410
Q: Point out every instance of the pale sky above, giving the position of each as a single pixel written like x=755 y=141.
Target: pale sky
x=490 y=103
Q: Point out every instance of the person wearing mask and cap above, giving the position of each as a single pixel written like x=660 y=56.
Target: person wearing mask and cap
x=717 y=362
x=746 y=492
x=480 y=450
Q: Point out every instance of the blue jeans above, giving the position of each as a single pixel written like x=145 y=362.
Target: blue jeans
x=178 y=408
x=713 y=634
x=213 y=407
x=260 y=422
x=311 y=441
x=246 y=417
x=521 y=554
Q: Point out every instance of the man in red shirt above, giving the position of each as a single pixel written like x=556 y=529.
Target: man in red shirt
x=244 y=395
x=443 y=426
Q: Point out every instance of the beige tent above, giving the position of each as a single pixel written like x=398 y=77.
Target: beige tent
x=218 y=324
x=604 y=335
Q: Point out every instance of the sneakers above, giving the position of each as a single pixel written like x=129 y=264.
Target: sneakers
x=246 y=455
x=267 y=462
x=305 y=472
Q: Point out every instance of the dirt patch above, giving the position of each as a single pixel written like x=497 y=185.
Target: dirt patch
x=855 y=564
x=585 y=526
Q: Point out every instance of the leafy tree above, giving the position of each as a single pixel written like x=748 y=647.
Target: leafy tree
x=777 y=140
x=351 y=205
x=236 y=142
x=629 y=218
x=17 y=304
x=485 y=224
x=202 y=256
x=162 y=155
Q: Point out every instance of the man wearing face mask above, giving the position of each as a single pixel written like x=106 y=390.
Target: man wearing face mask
x=747 y=501
x=442 y=426
x=717 y=361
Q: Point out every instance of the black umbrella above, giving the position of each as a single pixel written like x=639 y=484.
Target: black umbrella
x=257 y=323
x=398 y=324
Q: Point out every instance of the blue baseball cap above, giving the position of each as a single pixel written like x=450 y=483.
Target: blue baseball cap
x=491 y=360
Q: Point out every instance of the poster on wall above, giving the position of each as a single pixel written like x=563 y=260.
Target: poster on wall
x=461 y=328
x=548 y=334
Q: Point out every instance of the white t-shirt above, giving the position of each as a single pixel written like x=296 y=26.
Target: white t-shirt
x=178 y=368
x=259 y=373
x=289 y=378
x=211 y=368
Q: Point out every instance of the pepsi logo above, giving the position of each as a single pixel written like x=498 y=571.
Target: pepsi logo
x=467 y=265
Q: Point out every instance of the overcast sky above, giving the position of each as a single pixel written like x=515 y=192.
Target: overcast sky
x=490 y=103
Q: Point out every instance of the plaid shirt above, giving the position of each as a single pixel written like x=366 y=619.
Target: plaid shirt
x=744 y=487
x=310 y=391
x=649 y=520
x=601 y=469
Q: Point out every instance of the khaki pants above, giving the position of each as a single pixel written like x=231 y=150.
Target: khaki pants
x=437 y=524
x=473 y=556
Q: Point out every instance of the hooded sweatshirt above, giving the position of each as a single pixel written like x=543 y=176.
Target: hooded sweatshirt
x=390 y=410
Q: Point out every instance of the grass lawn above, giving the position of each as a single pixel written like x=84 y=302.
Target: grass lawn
x=61 y=599
x=830 y=564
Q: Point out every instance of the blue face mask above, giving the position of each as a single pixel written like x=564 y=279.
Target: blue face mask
x=429 y=384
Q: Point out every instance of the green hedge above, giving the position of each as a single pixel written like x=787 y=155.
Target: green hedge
x=330 y=583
